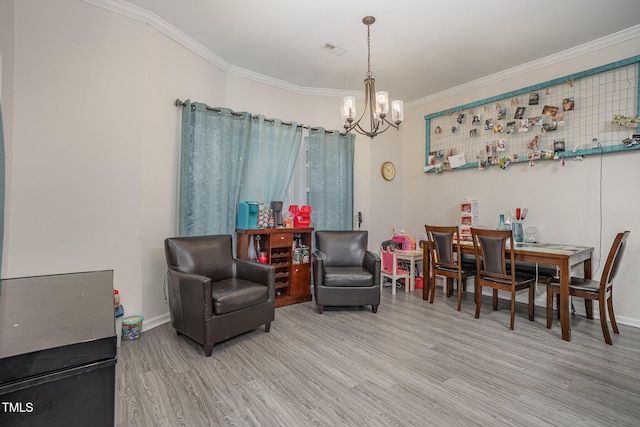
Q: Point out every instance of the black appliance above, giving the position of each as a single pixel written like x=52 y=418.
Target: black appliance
x=58 y=350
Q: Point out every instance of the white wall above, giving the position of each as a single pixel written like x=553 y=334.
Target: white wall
x=96 y=140
x=564 y=202
x=6 y=89
x=96 y=145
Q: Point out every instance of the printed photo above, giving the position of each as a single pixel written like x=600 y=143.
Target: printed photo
x=549 y=110
x=535 y=121
x=523 y=125
x=502 y=113
x=568 y=104
x=533 y=155
x=488 y=124
x=476 y=120
x=473 y=132
x=519 y=113
x=460 y=118
x=558 y=145
x=511 y=127
x=534 y=98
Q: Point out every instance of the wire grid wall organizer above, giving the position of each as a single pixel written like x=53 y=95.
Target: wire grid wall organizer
x=594 y=111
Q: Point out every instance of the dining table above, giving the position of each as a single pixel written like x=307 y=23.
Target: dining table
x=564 y=257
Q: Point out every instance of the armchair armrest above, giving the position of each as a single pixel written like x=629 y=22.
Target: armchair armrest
x=372 y=263
x=256 y=272
x=317 y=258
x=189 y=290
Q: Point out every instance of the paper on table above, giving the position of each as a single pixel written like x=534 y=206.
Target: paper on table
x=457 y=160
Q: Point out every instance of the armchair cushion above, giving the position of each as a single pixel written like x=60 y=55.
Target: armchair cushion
x=347 y=276
x=235 y=294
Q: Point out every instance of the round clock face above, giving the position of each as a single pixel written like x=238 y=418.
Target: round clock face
x=388 y=171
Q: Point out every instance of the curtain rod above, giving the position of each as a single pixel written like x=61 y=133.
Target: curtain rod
x=180 y=103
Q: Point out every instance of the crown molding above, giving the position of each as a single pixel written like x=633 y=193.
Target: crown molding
x=143 y=15
x=595 y=45
x=129 y=10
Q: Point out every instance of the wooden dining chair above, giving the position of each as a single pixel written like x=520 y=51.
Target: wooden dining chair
x=490 y=247
x=390 y=269
x=445 y=259
x=595 y=290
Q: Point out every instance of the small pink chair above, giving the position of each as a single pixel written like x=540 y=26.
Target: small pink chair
x=389 y=268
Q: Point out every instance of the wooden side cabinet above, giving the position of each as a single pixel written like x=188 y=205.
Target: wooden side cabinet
x=292 y=273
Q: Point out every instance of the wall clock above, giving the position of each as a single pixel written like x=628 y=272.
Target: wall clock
x=388 y=171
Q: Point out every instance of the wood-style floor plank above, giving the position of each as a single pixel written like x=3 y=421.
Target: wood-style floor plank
x=411 y=364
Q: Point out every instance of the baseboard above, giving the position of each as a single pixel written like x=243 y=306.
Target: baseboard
x=155 y=321
x=541 y=301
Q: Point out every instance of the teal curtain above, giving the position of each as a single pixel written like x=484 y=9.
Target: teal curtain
x=331 y=179
x=272 y=156
x=2 y=189
x=215 y=144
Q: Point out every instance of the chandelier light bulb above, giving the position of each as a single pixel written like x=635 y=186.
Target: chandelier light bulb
x=382 y=103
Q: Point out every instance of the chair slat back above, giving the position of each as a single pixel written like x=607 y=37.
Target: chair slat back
x=441 y=239
x=490 y=247
x=388 y=259
x=614 y=259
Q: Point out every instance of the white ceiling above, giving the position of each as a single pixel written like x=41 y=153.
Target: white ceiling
x=418 y=47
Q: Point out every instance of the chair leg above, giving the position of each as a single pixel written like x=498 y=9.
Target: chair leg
x=459 y=294
x=267 y=326
x=374 y=308
x=532 y=305
x=320 y=309
x=603 y=322
x=612 y=317
x=588 y=308
x=478 y=301
x=549 y=308
x=513 y=309
x=433 y=289
x=426 y=286
x=208 y=349
x=495 y=299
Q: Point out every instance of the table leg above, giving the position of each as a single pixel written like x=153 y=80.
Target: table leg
x=412 y=274
x=565 y=309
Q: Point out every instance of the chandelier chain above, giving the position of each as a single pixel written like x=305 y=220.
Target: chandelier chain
x=369 y=51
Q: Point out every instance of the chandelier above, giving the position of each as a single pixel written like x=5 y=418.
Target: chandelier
x=376 y=103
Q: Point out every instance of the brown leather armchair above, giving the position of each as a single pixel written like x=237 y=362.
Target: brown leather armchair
x=212 y=296
x=345 y=273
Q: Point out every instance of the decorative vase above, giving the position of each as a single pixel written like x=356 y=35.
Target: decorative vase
x=501 y=224
x=251 y=251
x=518 y=235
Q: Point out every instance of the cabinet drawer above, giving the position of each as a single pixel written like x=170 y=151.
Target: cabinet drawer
x=281 y=240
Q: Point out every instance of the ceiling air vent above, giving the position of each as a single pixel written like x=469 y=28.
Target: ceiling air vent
x=333 y=49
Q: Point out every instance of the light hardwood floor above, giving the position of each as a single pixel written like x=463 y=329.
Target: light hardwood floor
x=410 y=364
